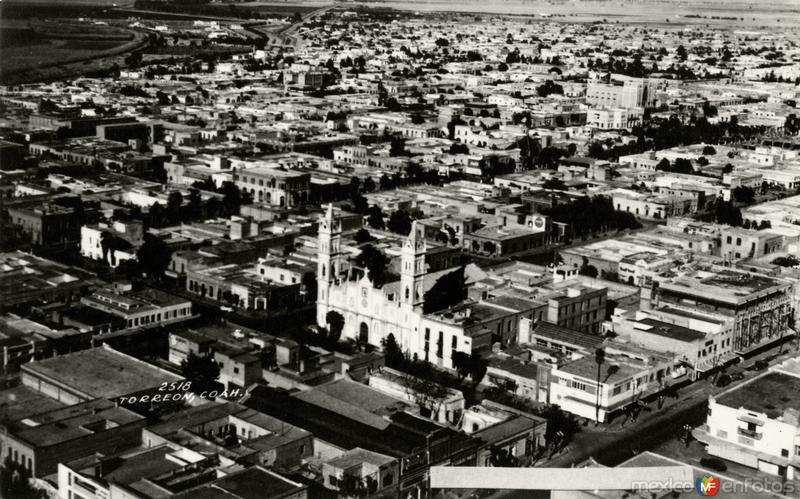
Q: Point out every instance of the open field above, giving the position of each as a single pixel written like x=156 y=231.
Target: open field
x=781 y=13
x=36 y=51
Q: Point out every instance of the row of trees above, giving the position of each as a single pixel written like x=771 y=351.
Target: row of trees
x=586 y=216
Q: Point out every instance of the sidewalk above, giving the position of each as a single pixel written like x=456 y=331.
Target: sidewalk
x=613 y=442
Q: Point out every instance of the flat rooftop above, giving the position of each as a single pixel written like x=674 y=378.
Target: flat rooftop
x=73 y=422
x=586 y=367
x=770 y=393
x=21 y=402
x=252 y=483
x=722 y=284
x=567 y=336
x=100 y=373
x=356 y=401
x=673 y=331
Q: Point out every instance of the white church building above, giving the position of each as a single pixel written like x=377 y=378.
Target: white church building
x=371 y=314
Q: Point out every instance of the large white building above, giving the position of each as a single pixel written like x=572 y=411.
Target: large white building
x=757 y=423
x=629 y=94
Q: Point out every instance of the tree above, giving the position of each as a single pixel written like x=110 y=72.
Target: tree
x=786 y=261
x=702 y=161
x=588 y=270
x=727 y=168
x=561 y=425
x=477 y=368
x=461 y=364
x=429 y=395
x=400 y=222
x=363 y=236
x=458 y=148
x=555 y=183
x=375 y=262
x=548 y=88
x=449 y=290
x=195 y=207
x=683 y=165
x=791 y=125
x=232 y=198
x=156 y=216
x=599 y=358
x=154 y=256
x=15 y=482
x=724 y=212
x=585 y=216
x=335 y=322
x=398 y=147
x=681 y=53
x=743 y=194
x=392 y=351
x=709 y=151
x=202 y=371
x=375 y=217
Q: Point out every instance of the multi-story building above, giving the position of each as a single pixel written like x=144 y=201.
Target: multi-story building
x=361 y=469
x=586 y=389
x=48 y=225
x=275 y=186
x=757 y=423
x=38 y=443
x=613 y=118
x=739 y=243
x=580 y=308
x=238 y=434
x=628 y=94
x=140 y=308
x=171 y=470
x=25 y=279
x=760 y=306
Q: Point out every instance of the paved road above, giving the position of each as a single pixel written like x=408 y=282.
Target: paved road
x=615 y=442
x=286 y=36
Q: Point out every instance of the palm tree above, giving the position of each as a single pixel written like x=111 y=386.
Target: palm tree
x=599 y=358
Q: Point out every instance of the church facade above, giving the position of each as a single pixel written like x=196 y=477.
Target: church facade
x=371 y=314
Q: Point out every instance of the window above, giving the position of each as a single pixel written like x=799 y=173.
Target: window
x=302 y=449
x=235 y=370
x=784 y=453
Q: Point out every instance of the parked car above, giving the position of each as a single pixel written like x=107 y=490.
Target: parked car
x=724 y=380
x=714 y=463
x=761 y=364
x=737 y=376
